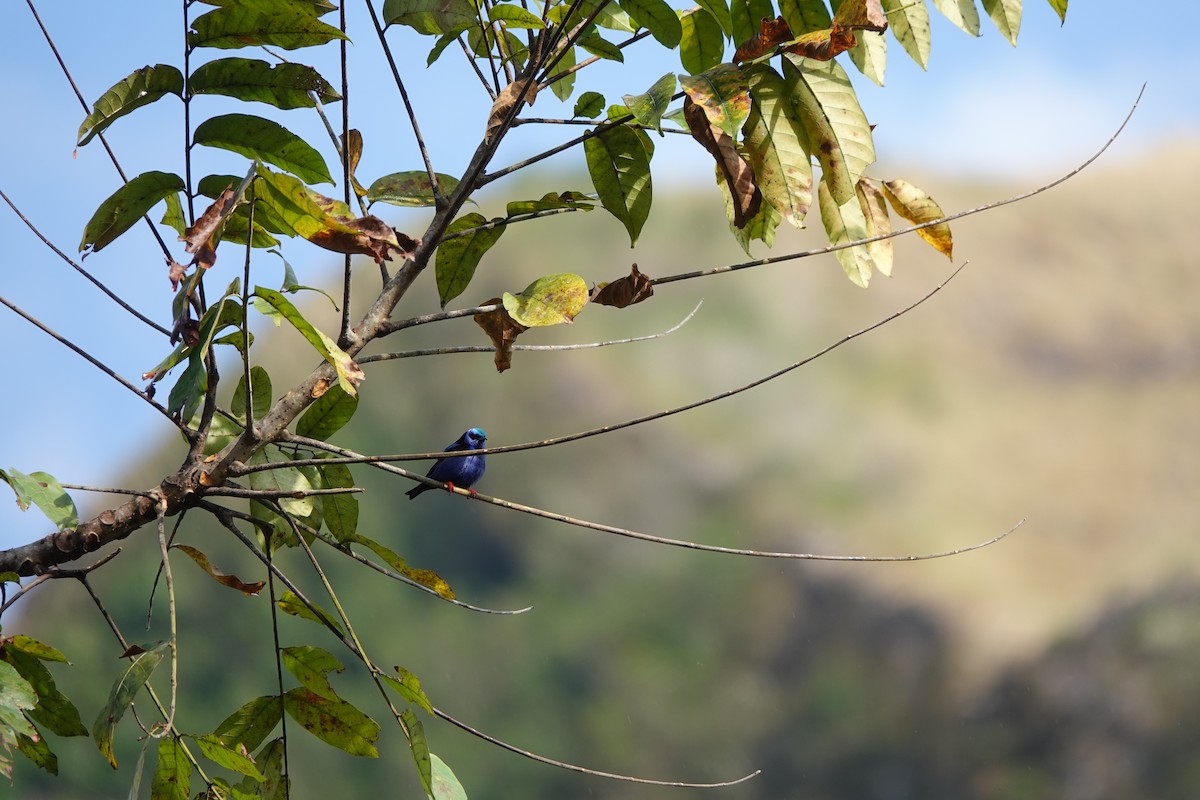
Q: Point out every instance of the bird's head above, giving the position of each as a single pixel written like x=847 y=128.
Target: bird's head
x=475 y=438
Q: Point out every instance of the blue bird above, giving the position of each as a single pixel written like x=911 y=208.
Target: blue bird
x=461 y=472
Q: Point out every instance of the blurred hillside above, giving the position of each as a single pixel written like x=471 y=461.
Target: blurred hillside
x=1056 y=379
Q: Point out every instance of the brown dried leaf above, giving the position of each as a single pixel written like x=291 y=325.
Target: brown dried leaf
x=823 y=45
x=771 y=32
x=232 y=581
x=502 y=329
x=860 y=14
x=735 y=171
x=507 y=99
x=175 y=273
x=371 y=236
x=200 y=237
x=633 y=288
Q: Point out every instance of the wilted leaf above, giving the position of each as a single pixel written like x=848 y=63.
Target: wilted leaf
x=523 y=89
x=771 y=33
x=425 y=577
x=140 y=88
x=917 y=207
x=126 y=206
x=620 y=170
x=132 y=678
x=458 y=256
x=745 y=16
x=368 y=236
x=333 y=721
x=633 y=288
x=723 y=94
x=203 y=237
x=349 y=373
x=846 y=223
x=232 y=581
x=262 y=139
x=281 y=85
x=874 y=207
x=735 y=172
x=289 y=603
x=648 y=108
x=550 y=202
x=549 y=300
x=502 y=329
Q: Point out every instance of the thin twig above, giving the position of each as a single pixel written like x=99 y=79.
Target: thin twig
x=79 y=268
x=949 y=218
x=89 y=357
x=536 y=347
x=574 y=768
x=173 y=642
x=642 y=34
x=277 y=494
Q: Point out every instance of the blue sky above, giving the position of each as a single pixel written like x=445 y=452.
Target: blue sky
x=983 y=109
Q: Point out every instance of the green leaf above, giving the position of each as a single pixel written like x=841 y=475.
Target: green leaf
x=280 y=85
x=45 y=492
x=838 y=132
x=284 y=479
x=189 y=389
x=126 y=206
x=719 y=10
x=564 y=86
x=285 y=204
x=409 y=188
x=620 y=170
x=445 y=784
x=311 y=666
x=173 y=774
x=431 y=16
x=193 y=383
x=1060 y=8
x=16 y=697
x=333 y=721
x=54 y=710
x=262 y=139
x=260 y=395
x=317 y=8
x=962 y=13
x=847 y=223
x=132 y=678
x=458 y=257
x=340 y=510
x=418 y=744
x=33 y=647
x=250 y=724
x=222 y=755
x=425 y=577
x=777 y=146
x=173 y=216
x=139 y=88
x=703 y=44
x=37 y=751
x=747 y=15
x=597 y=45
x=909 y=23
x=805 y=16
x=657 y=17
x=236 y=26
x=648 y=108
x=275 y=785
x=550 y=300
x=588 y=105
x=289 y=603
x=349 y=374
x=513 y=16
x=1006 y=14
x=724 y=95
x=408 y=686
x=327 y=414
